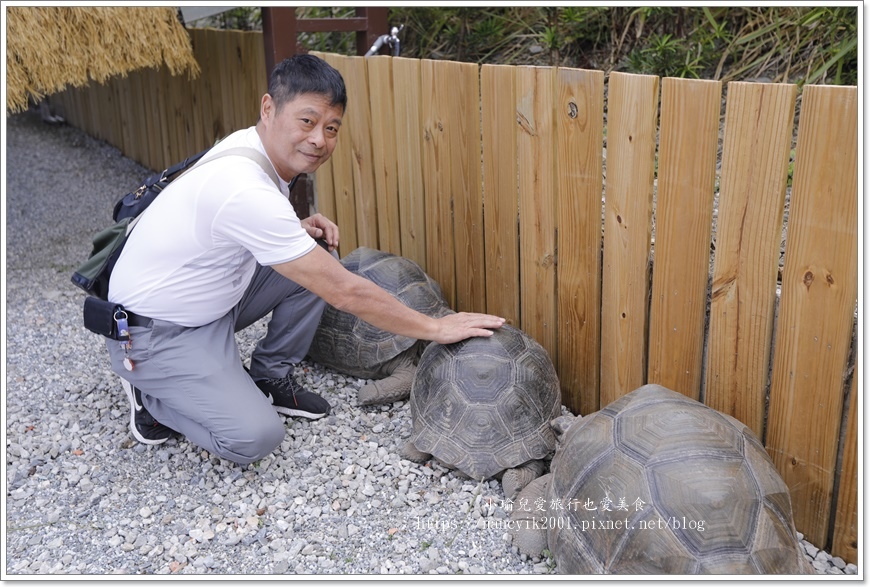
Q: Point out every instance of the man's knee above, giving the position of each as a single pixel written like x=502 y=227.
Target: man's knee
x=257 y=442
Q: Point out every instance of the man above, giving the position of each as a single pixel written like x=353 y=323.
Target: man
x=223 y=247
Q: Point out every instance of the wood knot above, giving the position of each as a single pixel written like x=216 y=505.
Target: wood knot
x=572 y=109
x=547 y=261
x=808 y=278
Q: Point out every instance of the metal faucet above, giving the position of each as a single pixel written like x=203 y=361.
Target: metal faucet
x=391 y=40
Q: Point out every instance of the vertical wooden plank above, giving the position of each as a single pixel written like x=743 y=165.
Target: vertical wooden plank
x=94 y=110
x=632 y=116
x=324 y=191
x=77 y=107
x=166 y=84
x=684 y=211
x=83 y=108
x=845 y=544
x=97 y=98
x=257 y=81
x=229 y=76
x=498 y=100
x=536 y=145
x=198 y=96
x=166 y=87
x=141 y=105
x=117 y=110
x=759 y=123
x=241 y=89
x=139 y=150
x=150 y=89
x=408 y=127
x=466 y=191
x=819 y=291
x=193 y=97
x=357 y=125
x=179 y=140
x=189 y=140
x=84 y=105
x=580 y=137
x=384 y=152
x=248 y=104
x=143 y=128
x=208 y=57
x=172 y=147
x=440 y=244
x=343 y=176
x=153 y=82
x=94 y=95
x=66 y=100
x=180 y=143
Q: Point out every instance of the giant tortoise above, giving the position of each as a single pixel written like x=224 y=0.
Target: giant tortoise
x=354 y=347
x=483 y=406
x=658 y=483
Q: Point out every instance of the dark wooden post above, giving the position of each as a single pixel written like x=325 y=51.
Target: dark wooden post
x=279 y=35
x=376 y=25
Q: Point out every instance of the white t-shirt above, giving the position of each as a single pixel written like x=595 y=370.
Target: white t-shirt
x=194 y=250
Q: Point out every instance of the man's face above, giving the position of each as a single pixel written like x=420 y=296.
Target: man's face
x=302 y=135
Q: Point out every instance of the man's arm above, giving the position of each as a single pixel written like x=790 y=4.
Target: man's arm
x=320 y=273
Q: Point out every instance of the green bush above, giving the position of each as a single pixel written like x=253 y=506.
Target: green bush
x=811 y=44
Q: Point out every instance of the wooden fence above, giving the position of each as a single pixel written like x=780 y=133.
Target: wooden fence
x=638 y=242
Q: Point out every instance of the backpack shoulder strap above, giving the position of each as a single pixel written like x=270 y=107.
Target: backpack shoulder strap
x=250 y=153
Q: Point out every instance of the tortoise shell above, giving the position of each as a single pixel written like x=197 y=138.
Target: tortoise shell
x=658 y=483
x=483 y=405
x=352 y=346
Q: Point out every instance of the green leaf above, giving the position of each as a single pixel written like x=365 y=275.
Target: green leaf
x=849 y=46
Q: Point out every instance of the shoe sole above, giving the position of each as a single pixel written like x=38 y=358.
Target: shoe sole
x=128 y=389
x=295 y=413
x=298 y=413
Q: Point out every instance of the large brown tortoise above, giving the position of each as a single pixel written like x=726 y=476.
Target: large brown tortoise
x=658 y=483
x=354 y=347
x=483 y=406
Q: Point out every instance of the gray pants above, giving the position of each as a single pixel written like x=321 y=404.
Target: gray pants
x=193 y=381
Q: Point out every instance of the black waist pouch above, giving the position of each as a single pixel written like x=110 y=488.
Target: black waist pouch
x=99 y=316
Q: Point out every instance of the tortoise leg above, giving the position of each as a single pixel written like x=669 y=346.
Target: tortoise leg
x=390 y=389
x=410 y=452
x=529 y=536
x=514 y=480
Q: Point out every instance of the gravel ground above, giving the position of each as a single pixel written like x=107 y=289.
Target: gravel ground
x=83 y=497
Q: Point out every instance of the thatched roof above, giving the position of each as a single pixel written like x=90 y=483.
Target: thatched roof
x=50 y=48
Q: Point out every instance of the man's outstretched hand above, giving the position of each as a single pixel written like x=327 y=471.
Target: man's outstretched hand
x=456 y=327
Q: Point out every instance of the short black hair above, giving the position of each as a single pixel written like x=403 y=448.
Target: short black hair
x=306 y=74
